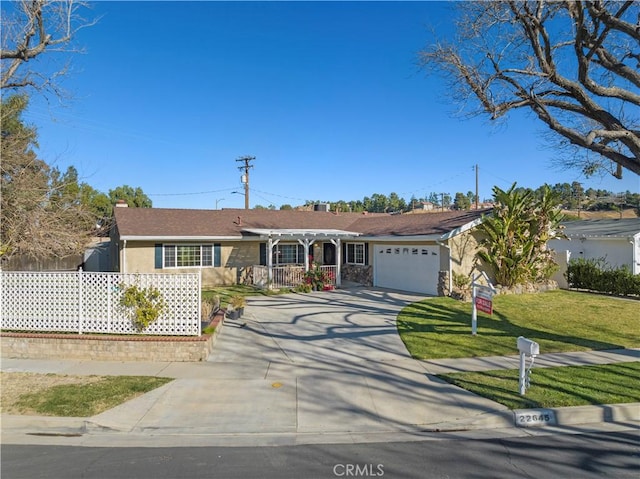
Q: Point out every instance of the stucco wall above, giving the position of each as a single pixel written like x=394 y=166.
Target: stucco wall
x=238 y=258
x=236 y=261
x=138 y=257
x=562 y=259
x=617 y=252
x=464 y=248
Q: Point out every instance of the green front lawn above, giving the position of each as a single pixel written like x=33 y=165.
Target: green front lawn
x=560 y=321
x=226 y=292
x=556 y=387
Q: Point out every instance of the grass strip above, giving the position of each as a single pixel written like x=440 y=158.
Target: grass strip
x=84 y=400
x=227 y=292
x=556 y=387
x=560 y=321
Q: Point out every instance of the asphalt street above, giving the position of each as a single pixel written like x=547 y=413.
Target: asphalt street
x=588 y=455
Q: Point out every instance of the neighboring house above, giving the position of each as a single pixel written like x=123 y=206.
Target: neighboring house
x=428 y=206
x=615 y=240
x=405 y=252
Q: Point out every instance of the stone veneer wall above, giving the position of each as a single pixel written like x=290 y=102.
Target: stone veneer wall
x=443 y=283
x=358 y=274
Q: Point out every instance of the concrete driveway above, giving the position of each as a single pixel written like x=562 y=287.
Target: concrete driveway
x=334 y=362
x=331 y=329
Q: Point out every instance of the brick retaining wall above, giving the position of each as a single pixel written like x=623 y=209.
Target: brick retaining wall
x=109 y=348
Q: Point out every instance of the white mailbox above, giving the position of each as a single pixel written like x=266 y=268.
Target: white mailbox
x=528 y=347
x=531 y=349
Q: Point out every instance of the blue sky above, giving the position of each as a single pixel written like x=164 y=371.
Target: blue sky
x=327 y=96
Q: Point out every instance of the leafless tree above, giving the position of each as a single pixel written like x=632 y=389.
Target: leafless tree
x=573 y=64
x=31 y=28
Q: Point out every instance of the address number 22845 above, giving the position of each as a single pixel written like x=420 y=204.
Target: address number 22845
x=535 y=418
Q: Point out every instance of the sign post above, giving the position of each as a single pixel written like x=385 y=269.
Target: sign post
x=481 y=300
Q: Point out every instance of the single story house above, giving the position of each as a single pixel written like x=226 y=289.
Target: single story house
x=408 y=252
x=615 y=240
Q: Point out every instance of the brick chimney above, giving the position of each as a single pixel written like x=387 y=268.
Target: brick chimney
x=121 y=204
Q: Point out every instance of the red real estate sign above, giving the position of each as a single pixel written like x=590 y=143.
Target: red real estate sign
x=484 y=304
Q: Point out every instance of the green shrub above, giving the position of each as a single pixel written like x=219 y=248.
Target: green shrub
x=144 y=305
x=208 y=330
x=304 y=288
x=237 y=301
x=461 y=281
x=596 y=275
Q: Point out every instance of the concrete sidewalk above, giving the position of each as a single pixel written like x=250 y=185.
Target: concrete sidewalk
x=280 y=403
x=328 y=369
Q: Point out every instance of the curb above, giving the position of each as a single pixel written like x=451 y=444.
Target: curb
x=499 y=420
x=596 y=414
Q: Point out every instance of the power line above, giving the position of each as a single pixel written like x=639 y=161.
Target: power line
x=192 y=193
x=435 y=185
x=278 y=195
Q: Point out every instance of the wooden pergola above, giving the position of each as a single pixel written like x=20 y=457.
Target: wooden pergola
x=305 y=237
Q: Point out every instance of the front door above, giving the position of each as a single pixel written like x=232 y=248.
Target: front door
x=328 y=254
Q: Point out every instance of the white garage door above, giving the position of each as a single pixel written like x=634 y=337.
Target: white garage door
x=407 y=268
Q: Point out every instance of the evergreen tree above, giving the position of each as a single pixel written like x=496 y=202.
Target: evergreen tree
x=42 y=214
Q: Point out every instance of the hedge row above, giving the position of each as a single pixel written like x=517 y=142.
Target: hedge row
x=596 y=275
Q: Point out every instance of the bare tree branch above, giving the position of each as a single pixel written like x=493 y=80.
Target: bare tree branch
x=33 y=28
x=573 y=63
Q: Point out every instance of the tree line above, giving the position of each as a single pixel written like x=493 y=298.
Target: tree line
x=570 y=196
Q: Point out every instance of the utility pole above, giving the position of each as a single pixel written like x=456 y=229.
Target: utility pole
x=245 y=177
x=477 y=201
x=442 y=200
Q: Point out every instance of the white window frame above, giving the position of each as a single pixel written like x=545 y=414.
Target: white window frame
x=352 y=253
x=175 y=247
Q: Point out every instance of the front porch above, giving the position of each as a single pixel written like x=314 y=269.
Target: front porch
x=275 y=275
x=290 y=276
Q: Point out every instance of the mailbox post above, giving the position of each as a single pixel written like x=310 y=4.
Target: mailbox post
x=526 y=348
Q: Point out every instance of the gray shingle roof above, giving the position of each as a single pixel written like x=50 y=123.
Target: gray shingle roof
x=177 y=223
x=611 y=228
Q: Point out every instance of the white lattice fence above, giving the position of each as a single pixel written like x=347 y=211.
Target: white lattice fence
x=90 y=302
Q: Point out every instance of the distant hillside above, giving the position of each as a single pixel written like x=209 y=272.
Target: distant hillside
x=594 y=215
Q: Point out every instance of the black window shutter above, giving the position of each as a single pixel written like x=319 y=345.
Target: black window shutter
x=366 y=254
x=217 y=260
x=158 y=256
x=344 y=253
x=263 y=254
